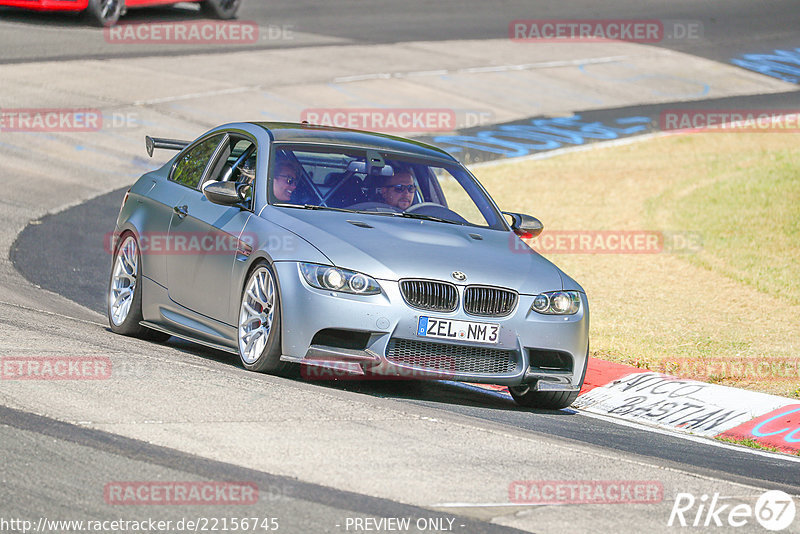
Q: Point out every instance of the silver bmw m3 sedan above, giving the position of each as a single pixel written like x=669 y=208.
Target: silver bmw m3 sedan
x=372 y=254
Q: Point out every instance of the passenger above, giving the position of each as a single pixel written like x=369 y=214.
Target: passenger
x=398 y=190
x=283 y=184
x=284 y=180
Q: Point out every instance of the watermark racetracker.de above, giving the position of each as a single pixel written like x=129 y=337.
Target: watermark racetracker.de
x=55 y=368
x=731 y=120
x=549 y=492
x=64 y=120
x=149 y=524
x=410 y=120
x=608 y=242
x=604 y=30
x=179 y=493
x=732 y=368
x=418 y=367
x=201 y=243
x=50 y=120
x=184 y=32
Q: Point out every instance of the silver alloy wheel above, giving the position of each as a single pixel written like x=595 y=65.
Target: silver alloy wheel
x=123 y=280
x=255 y=315
x=108 y=7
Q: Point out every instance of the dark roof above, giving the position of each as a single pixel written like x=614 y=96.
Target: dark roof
x=292 y=132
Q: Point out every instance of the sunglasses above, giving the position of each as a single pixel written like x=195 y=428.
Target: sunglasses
x=399 y=188
x=290 y=180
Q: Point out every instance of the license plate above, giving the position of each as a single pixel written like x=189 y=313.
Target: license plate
x=459 y=330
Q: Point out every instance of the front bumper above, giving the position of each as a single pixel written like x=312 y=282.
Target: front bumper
x=549 y=352
x=47 y=5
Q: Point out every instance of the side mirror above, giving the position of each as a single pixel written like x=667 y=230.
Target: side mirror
x=525 y=226
x=224 y=193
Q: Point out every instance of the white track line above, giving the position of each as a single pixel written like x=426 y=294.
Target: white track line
x=164 y=100
x=478 y=70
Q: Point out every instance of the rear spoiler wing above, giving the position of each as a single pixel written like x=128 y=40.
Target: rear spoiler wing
x=151 y=143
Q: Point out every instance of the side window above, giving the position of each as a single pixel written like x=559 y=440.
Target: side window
x=236 y=162
x=190 y=167
x=236 y=154
x=243 y=161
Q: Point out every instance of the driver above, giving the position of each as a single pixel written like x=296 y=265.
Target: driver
x=398 y=190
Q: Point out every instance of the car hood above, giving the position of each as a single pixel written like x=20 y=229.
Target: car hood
x=392 y=248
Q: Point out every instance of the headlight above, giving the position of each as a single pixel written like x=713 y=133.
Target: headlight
x=335 y=279
x=557 y=303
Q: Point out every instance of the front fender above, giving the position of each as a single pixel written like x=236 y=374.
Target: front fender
x=271 y=243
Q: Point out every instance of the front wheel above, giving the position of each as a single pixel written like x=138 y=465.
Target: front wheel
x=104 y=13
x=220 y=9
x=549 y=400
x=124 y=304
x=260 y=323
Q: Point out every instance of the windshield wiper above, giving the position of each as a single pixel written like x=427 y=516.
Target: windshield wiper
x=411 y=216
x=313 y=207
x=427 y=218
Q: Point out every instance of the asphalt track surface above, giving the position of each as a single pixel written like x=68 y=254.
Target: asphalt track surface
x=728 y=28
x=73 y=238
x=56 y=237
x=298 y=506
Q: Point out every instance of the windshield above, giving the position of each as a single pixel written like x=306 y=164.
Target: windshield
x=378 y=183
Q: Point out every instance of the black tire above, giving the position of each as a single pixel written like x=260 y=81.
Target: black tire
x=104 y=13
x=129 y=325
x=547 y=400
x=220 y=9
x=269 y=359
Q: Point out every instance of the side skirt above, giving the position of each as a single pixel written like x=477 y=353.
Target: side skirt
x=184 y=335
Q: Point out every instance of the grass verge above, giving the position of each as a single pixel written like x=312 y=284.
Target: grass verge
x=735 y=297
x=753 y=444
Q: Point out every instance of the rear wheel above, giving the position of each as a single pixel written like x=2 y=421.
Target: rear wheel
x=124 y=304
x=260 y=323
x=220 y=9
x=104 y=13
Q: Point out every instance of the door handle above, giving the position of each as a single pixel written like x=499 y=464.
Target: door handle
x=181 y=211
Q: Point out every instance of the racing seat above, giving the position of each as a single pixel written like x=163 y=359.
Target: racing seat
x=372 y=183
x=344 y=193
